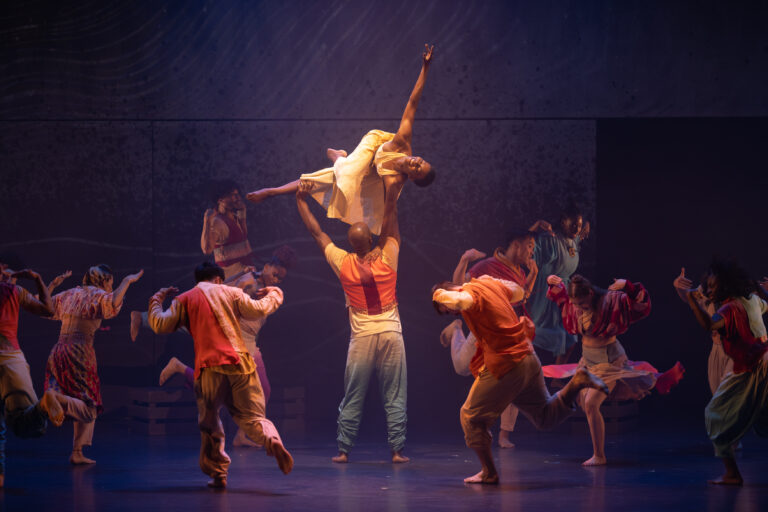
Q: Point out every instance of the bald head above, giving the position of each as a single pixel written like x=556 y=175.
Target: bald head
x=360 y=238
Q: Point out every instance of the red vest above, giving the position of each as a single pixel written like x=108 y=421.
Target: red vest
x=9 y=317
x=212 y=347
x=237 y=236
x=370 y=287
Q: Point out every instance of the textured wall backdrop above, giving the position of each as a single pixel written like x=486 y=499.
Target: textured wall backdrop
x=114 y=114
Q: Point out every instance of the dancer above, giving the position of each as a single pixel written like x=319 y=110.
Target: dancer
x=508 y=264
x=21 y=410
x=599 y=316
x=252 y=283
x=369 y=279
x=740 y=402
x=225 y=374
x=71 y=368
x=556 y=253
x=350 y=190
x=505 y=367
x=225 y=232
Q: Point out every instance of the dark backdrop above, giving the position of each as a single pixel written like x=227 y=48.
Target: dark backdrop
x=113 y=115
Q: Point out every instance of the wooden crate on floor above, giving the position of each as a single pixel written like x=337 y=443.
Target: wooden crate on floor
x=161 y=411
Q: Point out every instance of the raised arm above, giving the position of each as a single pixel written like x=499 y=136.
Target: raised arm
x=702 y=316
x=165 y=322
x=405 y=131
x=308 y=218
x=119 y=293
x=460 y=273
x=40 y=305
x=58 y=280
x=390 y=227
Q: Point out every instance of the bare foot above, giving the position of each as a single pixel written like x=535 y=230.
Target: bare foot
x=135 y=324
x=77 y=458
x=220 y=482
x=334 y=154
x=504 y=441
x=284 y=459
x=50 y=404
x=447 y=333
x=595 y=461
x=173 y=366
x=482 y=478
x=399 y=458
x=728 y=480
x=583 y=379
x=341 y=458
x=242 y=440
x=258 y=195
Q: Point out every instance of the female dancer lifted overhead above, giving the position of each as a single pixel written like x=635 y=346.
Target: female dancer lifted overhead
x=350 y=190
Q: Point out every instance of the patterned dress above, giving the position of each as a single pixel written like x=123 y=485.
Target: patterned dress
x=616 y=311
x=71 y=367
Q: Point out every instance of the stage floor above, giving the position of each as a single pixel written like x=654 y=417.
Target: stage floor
x=649 y=469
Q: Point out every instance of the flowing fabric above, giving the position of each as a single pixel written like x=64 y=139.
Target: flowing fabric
x=351 y=190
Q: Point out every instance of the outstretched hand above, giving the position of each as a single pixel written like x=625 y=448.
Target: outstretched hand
x=473 y=254
x=60 y=278
x=681 y=282
x=167 y=292
x=618 y=284
x=426 y=57
x=132 y=278
x=554 y=280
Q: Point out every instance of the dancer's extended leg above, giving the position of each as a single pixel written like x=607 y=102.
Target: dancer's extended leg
x=258 y=196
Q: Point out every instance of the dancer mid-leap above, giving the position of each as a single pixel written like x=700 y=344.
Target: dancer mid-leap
x=225 y=374
x=599 y=316
x=352 y=190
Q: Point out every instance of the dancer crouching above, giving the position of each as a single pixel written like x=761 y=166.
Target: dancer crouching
x=505 y=367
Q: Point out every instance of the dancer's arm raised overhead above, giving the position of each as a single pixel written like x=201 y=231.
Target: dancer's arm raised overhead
x=308 y=218
x=402 y=140
x=460 y=273
x=390 y=227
